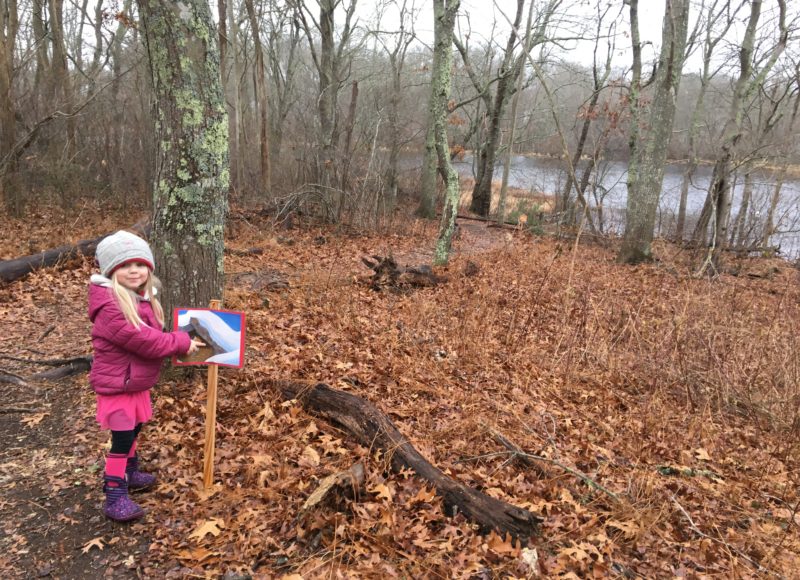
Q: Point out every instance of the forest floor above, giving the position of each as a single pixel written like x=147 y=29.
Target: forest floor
x=677 y=398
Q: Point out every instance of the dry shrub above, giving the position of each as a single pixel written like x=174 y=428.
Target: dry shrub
x=515 y=197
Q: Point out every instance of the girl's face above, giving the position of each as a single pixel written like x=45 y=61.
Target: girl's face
x=132 y=275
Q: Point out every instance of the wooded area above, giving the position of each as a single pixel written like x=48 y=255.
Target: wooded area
x=76 y=97
x=500 y=393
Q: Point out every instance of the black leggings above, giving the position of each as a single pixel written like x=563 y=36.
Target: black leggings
x=122 y=441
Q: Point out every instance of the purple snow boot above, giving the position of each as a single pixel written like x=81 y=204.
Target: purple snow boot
x=138 y=480
x=119 y=507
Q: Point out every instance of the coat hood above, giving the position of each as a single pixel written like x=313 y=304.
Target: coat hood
x=99 y=296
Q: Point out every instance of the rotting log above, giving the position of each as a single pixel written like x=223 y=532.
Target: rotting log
x=387 y=273
x=70 y=367
x=61 y=368
x=15 y=269
x=372 y=428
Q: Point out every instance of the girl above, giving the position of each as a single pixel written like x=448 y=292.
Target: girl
x=129 y=347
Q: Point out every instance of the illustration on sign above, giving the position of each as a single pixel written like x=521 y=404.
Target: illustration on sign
x=222 y=331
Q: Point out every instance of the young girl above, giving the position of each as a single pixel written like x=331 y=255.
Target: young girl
x=129 y=347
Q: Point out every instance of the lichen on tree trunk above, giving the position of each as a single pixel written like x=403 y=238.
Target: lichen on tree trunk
x=190 y=193
x=444 y=17
x=646 y=170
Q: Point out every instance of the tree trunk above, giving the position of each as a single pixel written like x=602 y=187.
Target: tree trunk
x=769 y=221
x=709 y=45
x=328 y=92
x=42 y=55
x=191 y=186
x=444 y=20
x=428 y=179
x=509 y=69
x=60 y=70
x=373 y=429
x=739 y=230
x=349 y=127
x=262 y=99
x=9 y=24
x=651 y=150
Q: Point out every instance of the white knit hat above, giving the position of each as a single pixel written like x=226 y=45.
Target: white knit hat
x=120 y=248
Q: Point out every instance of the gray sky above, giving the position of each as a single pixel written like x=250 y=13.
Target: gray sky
x=484 y=18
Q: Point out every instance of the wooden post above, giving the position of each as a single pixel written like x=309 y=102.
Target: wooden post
x=211 y=417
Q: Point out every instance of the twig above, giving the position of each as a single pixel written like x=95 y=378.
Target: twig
x=738 y=552
x=47 y=331
x=519 y=454
x=582 y=476
x=8 y=410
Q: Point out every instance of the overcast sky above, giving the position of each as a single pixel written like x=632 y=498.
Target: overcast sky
x=484 y=19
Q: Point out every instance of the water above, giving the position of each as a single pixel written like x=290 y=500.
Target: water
x=549 y=176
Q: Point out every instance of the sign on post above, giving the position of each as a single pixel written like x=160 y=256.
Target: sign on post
x=222 y=332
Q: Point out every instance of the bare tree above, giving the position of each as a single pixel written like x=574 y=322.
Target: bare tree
x=508 y=71
x=191 y=182
x=770 y=227
x=718 y=200
x=262 y=102
x=396 y=49
x=588 y=114
x=9 y=25
x=444 y=14
x=283 y=40
x=646 y=167
x=719 y=17
x=330 y=60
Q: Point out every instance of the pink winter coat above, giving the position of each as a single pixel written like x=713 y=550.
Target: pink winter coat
x=127 y=359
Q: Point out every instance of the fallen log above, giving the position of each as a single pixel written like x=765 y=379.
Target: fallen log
x=372 y=428
x=63 y=367
x=388 y=274
x=15 y=269
x=70 y=367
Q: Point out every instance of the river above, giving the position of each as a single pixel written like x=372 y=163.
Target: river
x=549 y=176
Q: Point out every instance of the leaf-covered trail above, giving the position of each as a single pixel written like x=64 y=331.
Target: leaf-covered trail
x=677 y=395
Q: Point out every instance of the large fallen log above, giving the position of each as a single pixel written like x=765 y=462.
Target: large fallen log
x=373 y=429
x=11 y=270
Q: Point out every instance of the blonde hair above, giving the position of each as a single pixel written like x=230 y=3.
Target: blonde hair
x=128 y=300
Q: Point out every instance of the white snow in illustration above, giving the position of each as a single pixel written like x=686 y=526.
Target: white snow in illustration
x=226 y=358
x=220 y=332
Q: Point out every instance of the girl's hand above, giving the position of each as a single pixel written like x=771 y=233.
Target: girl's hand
x=194 y=346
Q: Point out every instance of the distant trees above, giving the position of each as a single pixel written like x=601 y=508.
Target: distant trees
x=77 y=116
x=751 y=78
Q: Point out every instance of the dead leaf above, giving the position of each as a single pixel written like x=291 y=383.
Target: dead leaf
x=424 y=495
x=33 y=420
x=211 y=526
x=96 y=543
x=501 y=545
x=702 y=454
x=310 y=456
x=628 y=529
x=382 y=490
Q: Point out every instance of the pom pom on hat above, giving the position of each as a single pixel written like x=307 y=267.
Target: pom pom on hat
x=120 y=248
